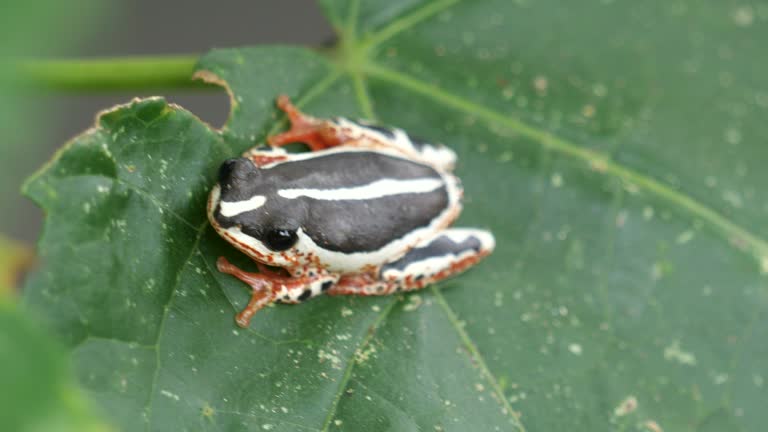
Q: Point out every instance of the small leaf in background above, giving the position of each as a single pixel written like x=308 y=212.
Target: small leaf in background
x=15 y=259
x=39 y=392
x=614 y=148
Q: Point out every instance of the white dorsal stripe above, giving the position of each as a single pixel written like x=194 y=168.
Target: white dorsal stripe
x=377 y=189
x=229 y=209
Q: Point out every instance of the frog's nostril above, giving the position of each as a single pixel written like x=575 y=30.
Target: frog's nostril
x=232 y=169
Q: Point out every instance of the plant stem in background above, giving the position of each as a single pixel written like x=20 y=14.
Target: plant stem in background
x=110 y=74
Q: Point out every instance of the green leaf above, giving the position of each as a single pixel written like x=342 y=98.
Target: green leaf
x=39 y=393
x=615 y=150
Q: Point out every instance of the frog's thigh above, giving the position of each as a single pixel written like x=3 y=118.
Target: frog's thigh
x=446 y=254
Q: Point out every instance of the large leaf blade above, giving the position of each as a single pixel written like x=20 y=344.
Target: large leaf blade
x=620 y=277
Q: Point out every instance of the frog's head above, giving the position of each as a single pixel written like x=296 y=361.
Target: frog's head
x=244 y=210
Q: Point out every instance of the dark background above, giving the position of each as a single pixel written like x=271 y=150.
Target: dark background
x=151 y=27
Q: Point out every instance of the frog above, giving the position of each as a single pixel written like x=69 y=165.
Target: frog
x=366 y=211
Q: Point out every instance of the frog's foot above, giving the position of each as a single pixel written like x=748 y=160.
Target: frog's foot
x=317 y=134
x=270 y=286
x=444 y=255
x=261 y=284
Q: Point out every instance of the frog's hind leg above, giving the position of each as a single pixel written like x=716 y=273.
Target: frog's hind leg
x=270 y=286
x=317 y=134
x=448 y=253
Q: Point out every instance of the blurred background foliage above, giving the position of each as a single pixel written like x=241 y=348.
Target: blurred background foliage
x=38 y=390
x=31 y=29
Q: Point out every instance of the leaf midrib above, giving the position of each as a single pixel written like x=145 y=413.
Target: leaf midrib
x=351 y=361
x=164 y=319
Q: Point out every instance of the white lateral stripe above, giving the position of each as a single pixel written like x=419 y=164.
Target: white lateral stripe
x=377 y=189
x=229 y=209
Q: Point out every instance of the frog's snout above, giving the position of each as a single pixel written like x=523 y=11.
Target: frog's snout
x=235 y=171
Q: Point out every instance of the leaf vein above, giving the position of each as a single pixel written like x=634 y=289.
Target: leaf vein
x=351 y=361
x=164 y=319
x=404 y=23
x=475 y=354
x=363 y=98
x=350 y=31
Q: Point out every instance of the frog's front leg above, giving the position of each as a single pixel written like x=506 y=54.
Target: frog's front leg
x=448 y=253
x=270 y=286
x=316 y=133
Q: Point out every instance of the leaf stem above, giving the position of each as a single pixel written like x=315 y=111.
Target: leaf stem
x=111 y=74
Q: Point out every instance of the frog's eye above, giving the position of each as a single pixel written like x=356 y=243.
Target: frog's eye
x=280 y=239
